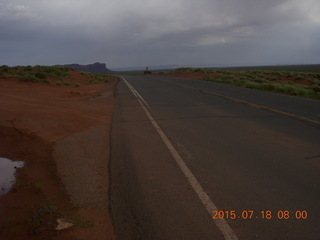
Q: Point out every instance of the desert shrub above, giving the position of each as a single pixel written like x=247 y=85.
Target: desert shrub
x=41 y=75
x=222 y=79
x=98 y=78
x=227 y=78
x=4 y=68
x=101 y=78
x=290 y=89
x=250 y=84
x=184 y=69
x=94 y=81
x=279 y=88
x=66 y=83
x=239 y=82
x=315 y=81
x=227 y=72
x=58 y=83
x=268 y=86
x=189 y=69
x=248 y=76
x=44 y=81
x=315 y=88
x=202 y=70
x=28 y=68
x=48 y=69
x=63 y=68
x=290 y=74
x=296 y=90
x=57 y=73
x=88 y=74
x=259 y=80
x=77 y=85
x=28 y=78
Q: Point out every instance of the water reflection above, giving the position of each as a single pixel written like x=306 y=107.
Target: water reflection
x=7 y=174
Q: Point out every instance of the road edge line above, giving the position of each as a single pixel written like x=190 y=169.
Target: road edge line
x=222 y=224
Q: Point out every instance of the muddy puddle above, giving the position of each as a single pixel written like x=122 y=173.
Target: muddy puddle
x=8 y=174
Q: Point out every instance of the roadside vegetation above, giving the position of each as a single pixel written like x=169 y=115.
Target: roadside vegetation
x=54 y=75
x=34 y=74
x=95 y=78
x=306 y=84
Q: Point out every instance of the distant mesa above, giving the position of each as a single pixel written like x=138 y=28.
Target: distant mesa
x=93 y=68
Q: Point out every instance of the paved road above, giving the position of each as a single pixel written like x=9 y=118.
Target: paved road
x=249 y=152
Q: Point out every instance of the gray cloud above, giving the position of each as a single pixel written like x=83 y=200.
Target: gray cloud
x=138 y=32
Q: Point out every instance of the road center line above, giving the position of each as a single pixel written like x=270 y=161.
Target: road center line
x=209 y=205
x=245 y=102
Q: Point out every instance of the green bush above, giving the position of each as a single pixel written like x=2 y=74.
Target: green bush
x=239 y=82
x=290 y=74
x=94 y=81
x=279 y=88
x=268 y=86
x=28 y=68
x=254 y=85
x=41 y=75
x=87 y=74
x=4 y=68
x=66 y=83
x=58 y=83
x=316 y=82
x=28 y=78
x=259 y=80
x=207 y=78
x=57 y=73
x=202 y=70
x=315 y=88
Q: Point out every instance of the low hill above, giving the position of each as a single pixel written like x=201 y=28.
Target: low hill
x=93 y=68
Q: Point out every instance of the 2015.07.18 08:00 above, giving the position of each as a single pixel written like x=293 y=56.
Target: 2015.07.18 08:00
x=266 y=214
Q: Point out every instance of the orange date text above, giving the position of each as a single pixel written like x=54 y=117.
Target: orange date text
x=266 y=214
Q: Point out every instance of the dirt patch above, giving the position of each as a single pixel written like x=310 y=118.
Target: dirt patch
x=62 y=135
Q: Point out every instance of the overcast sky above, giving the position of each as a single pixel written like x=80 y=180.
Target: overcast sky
x=129 y=33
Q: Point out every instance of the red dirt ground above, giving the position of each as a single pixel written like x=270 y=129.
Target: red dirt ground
x=34 y=119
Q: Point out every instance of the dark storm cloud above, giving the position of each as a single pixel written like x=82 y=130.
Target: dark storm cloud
x=137 y=32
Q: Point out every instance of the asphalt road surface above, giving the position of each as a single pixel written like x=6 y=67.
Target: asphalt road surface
x=186 y=151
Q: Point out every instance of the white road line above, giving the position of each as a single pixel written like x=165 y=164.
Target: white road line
x=209 y=205
x=135 y=93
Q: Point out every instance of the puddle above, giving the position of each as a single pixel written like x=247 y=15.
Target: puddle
x=7 y=174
